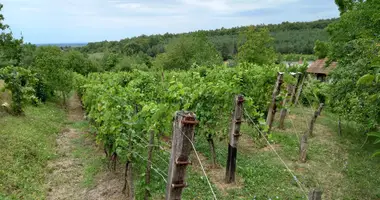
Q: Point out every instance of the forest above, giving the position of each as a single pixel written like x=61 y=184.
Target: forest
x=289 y=38
x=201 y=115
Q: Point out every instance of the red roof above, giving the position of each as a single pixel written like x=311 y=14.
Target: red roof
x=319 y=67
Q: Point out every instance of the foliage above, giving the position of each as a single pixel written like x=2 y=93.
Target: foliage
x=124 y=107
x=183 y=52
x=20 y=82
x=28 y=52
x=289 y=37
x=138 y=61
x=321 y=49
x=296 y=57
x=109 y=61
x=78 y=62
x=10 y=48
x=355 y=44
x=314 y=92
x=50 y=65
x=257 y=47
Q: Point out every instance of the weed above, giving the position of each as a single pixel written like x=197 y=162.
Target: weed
x=26 y=145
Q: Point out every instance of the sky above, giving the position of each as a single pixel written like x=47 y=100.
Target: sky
x=77 y=21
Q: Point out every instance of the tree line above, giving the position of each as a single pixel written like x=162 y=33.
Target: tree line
x=289 y=37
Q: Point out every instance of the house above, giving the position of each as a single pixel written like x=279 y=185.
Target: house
x=319 y=69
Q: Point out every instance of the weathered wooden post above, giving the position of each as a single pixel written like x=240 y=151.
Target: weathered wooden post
x=315 y=195
x=303 y=148
x=314 y=119
x=339 y=127
x=234 y=137
x=284 y=110
x=295 y=88
x=183 y=136
x=299 y=89
x=272 y=107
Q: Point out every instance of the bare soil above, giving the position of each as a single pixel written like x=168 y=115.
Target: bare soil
x=66 y=172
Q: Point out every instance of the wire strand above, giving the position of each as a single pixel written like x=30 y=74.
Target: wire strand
x=200 y=163
x=286 y=166
x=162 y=159
x=156 y=170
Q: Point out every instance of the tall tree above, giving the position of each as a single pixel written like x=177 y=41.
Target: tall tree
x=49 y=64
x=258 y=46
x=183 y=52
x=10 y=48
x=321 y=49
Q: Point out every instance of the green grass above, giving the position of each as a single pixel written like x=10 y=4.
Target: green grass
x=26 y=145
x=85 y=150
x=337 y=165
x=341 y=166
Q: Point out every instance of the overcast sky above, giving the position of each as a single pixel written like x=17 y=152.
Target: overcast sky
x=71 y=21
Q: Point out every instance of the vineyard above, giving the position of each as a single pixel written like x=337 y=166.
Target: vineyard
x=219 y=114
x=133 y=115
x=130 y=109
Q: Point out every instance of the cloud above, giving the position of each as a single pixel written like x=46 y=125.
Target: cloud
x=95 y=20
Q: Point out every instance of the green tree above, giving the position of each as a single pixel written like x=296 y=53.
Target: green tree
x=20 y=82
x=138 y=61
x=109 y=61
x=258 y=46
x=28 y=53
x=78 y=62
x=10 y=48
x=183 y=52
x=49 y=64
x=321 y=49
x=355 y=43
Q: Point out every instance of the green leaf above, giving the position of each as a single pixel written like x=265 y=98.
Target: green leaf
x=377 y=141
x=377 y=153
x=375 y=134
x=366 y=80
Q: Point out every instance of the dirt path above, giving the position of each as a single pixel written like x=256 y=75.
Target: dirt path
x=66 y=173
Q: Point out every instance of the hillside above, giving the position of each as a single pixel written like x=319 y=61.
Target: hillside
x=290 y=37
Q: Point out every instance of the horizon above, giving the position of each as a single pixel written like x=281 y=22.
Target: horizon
x=41 y=22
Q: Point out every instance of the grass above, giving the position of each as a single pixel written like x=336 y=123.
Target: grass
x=337 y=165
x=341 y=166
x=84 y=149
x=26 y=145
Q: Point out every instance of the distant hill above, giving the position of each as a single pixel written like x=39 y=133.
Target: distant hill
x=64 y=44
x=290 y=37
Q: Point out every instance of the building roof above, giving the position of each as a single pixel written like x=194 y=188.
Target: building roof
x=318 y=67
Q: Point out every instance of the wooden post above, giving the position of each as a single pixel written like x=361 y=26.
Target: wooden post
x=183 y=136
x=299 y=89
x=314 y=119
x=315 y=195
x=149 y=165
x=131 y=190
x=234 y=137
x=295 y=88
x=303 y=148
x=339 y=127
x=284 y=110
x=272 y=107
